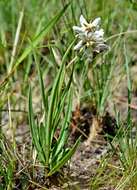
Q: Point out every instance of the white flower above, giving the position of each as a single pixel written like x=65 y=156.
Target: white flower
x=90 y=35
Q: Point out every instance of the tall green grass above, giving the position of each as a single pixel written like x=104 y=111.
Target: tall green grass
x=51 y=150
x=42 y=42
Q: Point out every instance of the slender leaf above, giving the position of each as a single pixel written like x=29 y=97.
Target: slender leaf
x=64 y=159
x=34 y=130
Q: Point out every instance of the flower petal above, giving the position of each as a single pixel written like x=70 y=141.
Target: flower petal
x=96 y=22
x=101 y=47
x=83 y=21
x=78 y=29
x=99 y=33
x=79 y=45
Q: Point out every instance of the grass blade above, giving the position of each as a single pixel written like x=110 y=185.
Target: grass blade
x=35 y=42
x=64 y=159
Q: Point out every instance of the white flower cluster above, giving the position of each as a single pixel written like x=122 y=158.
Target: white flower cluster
x=90 y=35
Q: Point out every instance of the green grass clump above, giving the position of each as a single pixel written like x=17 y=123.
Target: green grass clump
x=43 y=81
x=51 y=150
